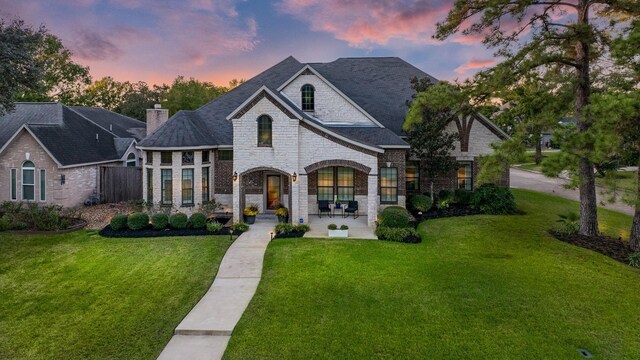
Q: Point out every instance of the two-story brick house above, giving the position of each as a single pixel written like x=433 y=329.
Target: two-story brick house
x=298 y=133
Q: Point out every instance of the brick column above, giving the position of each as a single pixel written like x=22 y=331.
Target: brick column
x=372 y=199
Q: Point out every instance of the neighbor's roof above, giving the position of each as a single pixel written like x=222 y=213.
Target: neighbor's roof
x=380 y=86
x=70 y=136
x=122 y=126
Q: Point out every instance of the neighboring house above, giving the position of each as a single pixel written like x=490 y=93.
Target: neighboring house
x=51 y=153
x=298 y=133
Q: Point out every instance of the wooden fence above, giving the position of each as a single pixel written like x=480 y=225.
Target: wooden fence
x=120 y=183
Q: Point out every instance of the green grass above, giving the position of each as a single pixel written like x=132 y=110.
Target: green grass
x=624 y=180
x=81 y=296
x=479 y=287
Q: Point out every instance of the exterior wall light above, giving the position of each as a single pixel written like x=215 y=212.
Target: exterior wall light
x=235 y=176
x=294 y=177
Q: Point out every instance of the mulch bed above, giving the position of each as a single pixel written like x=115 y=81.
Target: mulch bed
x=435 y=213
x=289 y=235
x=149 y=231
x=614 y=248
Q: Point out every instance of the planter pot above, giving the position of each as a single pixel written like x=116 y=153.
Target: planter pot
x=339 y=233
x=338 y=205
x=250 y=219
x=283 y=219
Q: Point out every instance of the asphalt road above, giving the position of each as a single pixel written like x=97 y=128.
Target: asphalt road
x=522 y=179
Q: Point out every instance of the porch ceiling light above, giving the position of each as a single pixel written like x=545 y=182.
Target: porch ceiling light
x=235 y=176
x=294 y=176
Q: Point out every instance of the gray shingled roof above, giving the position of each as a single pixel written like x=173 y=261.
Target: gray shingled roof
x=122 y=126
x=68 y=136
x=381 y=86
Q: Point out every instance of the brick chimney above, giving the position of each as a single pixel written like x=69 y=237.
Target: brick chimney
x=156 y=117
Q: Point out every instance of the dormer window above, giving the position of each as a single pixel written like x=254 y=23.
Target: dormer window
x=264 y=130
x=308 y=101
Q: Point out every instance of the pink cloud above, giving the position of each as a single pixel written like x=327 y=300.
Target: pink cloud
x=474 y=65
x=366 y=24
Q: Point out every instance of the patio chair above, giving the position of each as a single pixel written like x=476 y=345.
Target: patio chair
x=323 y=206
x=352 y=208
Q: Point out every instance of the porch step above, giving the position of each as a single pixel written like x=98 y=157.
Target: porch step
x=266 y=216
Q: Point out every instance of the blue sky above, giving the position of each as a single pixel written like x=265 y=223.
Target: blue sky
x=154 y=41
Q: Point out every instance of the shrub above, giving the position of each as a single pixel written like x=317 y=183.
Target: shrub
x=138 y=221
x=493 y=199
x=569 y=223
x=119 y=222
x=407 y=234
x=394 y=217
x=444 y=194
x=344 y=227
x=284 y=228
x=462 y=197
x=421 y=202
x=290 y=230
x=178 y=221
x=251 y=210
x=332 y=227
x=198 y=220
x=214 y=227
x=4 y=222
x=239 y=227
x=302 y=228
x=443 y=204
x=634 y=259
x=160 y=221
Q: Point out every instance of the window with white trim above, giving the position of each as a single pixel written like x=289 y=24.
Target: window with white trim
x=187 y=187
x=465 y=175
x=14 y=184
x=389 y=185
x=43 y=185
x=131 y=160
x=28 y=181
x=166 y=186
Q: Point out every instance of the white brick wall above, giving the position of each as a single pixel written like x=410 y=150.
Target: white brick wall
x=329 y=105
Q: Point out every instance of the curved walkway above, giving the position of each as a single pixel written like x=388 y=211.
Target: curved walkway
x=532 y=180
x=205 y=331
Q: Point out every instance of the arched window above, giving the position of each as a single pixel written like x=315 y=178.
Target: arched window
x=131 y=160
x=28 y=181
x=264 y=130
x=308 y=101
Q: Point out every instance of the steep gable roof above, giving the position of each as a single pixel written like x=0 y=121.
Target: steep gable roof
x=68 y=136
x=122 y=126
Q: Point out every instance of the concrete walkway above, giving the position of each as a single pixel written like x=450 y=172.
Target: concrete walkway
x=532 y=180
x=205 y=331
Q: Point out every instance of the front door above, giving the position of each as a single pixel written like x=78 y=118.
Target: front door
x=273 y=191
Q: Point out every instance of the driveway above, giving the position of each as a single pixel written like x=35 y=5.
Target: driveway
x=522 y=179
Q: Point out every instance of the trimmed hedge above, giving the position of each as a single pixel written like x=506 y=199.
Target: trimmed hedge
x=239 y=227
x=406 y=235
x=493 y=199
x=421 y=202
x=394 y=217
x=178 y=221
x=160 y=221
x=138 y=221
x=198 y=220
x=119 y=222
x=286 y=230
x=462 y=197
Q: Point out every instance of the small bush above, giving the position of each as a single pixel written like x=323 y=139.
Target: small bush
x=214 y=227
x=634 y=259
x=344 y=227
x=4 y=223
x=302 y=228
x=160 y=221
x=443 y=204
x=407 y=234
x=332 y=227
x=493 y=199
x=569 y=223
x=284 y=230
x=119 y=222
x=462 y=197
x=420 y=202
x=394 y=217
x=239 y=227
x=178 y=221
x=444 y=194
x=138 y=221
x=198 y=220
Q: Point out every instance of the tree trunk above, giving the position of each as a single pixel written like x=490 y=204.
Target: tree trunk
x=634 y=239
x=538 y=156
x=431 y=192
x=588 y=203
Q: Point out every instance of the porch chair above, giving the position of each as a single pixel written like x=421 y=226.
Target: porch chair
x=352 y=208
x=323 y=206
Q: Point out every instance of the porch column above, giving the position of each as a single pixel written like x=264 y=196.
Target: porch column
x=372 y=199
x=237 y=211
x=303 y=198
x=295 y=201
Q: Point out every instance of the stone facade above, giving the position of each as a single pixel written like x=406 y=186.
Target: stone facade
x=79 y=182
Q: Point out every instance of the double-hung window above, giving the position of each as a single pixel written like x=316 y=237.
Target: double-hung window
x=413 y=176
x=150 y=186
x=205 y=184
x=325 y=184
x=336 y=183
x=187 y=187
x=465 y=175
x=28 y=181
x=43 y=185
x=166 y=184
x=14 y=184
x=388 y=185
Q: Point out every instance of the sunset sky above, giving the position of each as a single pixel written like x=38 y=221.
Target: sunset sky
x=218 y=40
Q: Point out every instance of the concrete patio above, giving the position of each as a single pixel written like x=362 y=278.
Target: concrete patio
x=358 y=228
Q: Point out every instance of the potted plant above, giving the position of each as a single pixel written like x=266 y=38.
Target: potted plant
x=338 y=204
x=250 y=213
x=343 y=232
x=282 y=213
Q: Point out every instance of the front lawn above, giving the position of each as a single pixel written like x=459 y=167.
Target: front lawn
x=624 y=180
x=490 y=287
x=81 y=296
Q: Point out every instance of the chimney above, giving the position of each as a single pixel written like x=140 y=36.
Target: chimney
x=156 y=117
